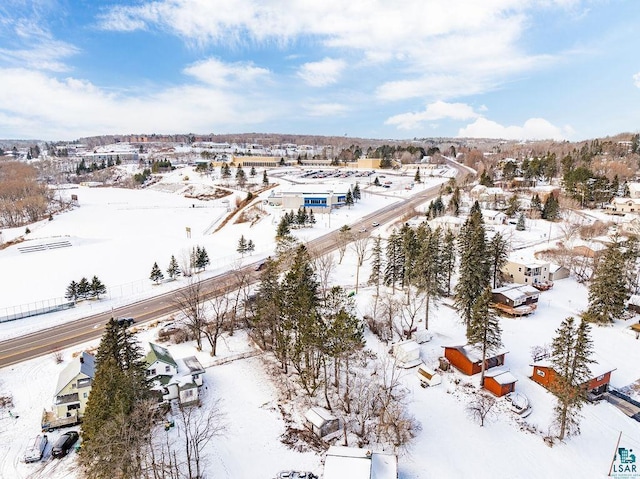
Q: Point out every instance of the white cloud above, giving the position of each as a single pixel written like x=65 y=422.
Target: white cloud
x=532 y=129
x=322 y=73
x=326 y=109
x=453 y=53
x=434 y=111
x=215 y=72
x=636 y=79
x=40 y=106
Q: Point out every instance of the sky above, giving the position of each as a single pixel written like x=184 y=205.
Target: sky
x=513 y=69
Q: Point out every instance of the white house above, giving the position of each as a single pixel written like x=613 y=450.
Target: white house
x=173 y=379
x=525 y=271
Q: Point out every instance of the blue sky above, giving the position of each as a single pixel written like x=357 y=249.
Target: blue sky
x=516 y=69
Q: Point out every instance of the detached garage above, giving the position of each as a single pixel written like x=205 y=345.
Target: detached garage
x=499 y=381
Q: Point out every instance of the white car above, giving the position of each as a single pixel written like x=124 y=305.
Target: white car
x=375 y=224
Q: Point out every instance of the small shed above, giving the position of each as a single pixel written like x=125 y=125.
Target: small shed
x=427 y=376
x=467 y=359
x=557 y=272
x=499 y=381
x=633 y=304
x=407 y=353
x=321 y=422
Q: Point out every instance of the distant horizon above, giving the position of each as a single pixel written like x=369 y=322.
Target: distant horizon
x=558 y=69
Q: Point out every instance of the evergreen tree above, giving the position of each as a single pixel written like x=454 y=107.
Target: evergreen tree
x=119 y=384
x=97 y=288
x=551 y=208
x=250 y=246
x=84 y=288
x=393 y=271
x=242 y=245
x=571 y=352
x=608 y=288
x=498 y=250
x=474 y=272
x=252 y=172
x=484 y=330
x=156 y=274
x=356 y=192
x=454 y=204
x=349 y=199
x=416 y=178
x=283 y=228
x=430 y=278
x=448 y=259
x=265 y=179
x=72 y=291
x=513 y=206
x=376 y=181
x=225 y=171
x=202 y=259
x=173 y=270
x=241 y=177
x=536 y=204
x=410 y=253
x=376 y=265
x=312 y=218
x=520 y=226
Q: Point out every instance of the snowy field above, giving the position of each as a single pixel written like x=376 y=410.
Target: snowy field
x=118 y=234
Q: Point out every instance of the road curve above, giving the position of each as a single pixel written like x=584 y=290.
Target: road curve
x=50 y=340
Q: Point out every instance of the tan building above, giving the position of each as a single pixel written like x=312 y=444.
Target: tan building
x=74 y=386
x=625 y=205
x=526 y=272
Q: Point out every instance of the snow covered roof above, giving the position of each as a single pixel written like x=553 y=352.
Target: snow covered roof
x=190 y=364
x=83 y=364
x=516 y=292
x=158 y=353
x=597 y=368
x=354 y=463
x=318 y=416
x=474 y=353
x=501 y=376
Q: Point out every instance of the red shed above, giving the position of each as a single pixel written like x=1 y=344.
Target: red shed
x=598 y=383
x=499 y=381
x=467 y=359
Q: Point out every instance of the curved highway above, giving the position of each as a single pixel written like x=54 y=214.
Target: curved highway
x=53 y=339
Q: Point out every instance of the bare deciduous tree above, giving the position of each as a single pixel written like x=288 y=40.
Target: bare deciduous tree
x=409 y=313
x=190 y=301
x=360 y=246
x=480 y=408
x=324 y=265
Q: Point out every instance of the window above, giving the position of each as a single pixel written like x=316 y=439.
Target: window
x=540 y=373
x=84 y=395
x=167 y=369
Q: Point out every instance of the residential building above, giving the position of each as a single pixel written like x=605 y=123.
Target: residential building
x=522 y=271
x=468 y=358
x=74 y=386
x=354 y=463
x=597 y=384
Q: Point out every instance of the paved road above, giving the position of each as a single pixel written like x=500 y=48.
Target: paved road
x=53 y=339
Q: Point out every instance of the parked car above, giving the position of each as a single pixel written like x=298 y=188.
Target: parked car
x=64 y=443
x=36 y=448
x=375 y=224
x=125 y=321
x=296 y=475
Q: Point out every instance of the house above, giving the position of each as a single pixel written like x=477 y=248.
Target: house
x=499 y=381
x=515 y=300
x=524 y=271
x=598 y=383
x=341 y=462
x=74 y=386
x=634 y=189
x=447 y=222
x=407 y=353
x=321 y=422
x=624 y=205
x=173 y=379
x=633 y=303
x=467 y=359
x=493 y=217
x=160 y=362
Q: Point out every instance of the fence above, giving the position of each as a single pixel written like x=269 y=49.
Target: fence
x=33 y=309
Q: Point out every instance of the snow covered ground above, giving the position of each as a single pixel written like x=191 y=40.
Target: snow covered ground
x=118 y=234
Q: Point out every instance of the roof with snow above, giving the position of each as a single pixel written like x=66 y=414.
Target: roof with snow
x=596 y=369
x=354 y=463
x=474 y=354
x=318 y=416
x=501 y=376
x=517 y=292
x=83 y=364
x=158 y=353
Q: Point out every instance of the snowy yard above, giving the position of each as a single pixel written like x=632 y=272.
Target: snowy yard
x=118 y=234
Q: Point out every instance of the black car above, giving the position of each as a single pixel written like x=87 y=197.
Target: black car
x=64 y=443
x=125 y=321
